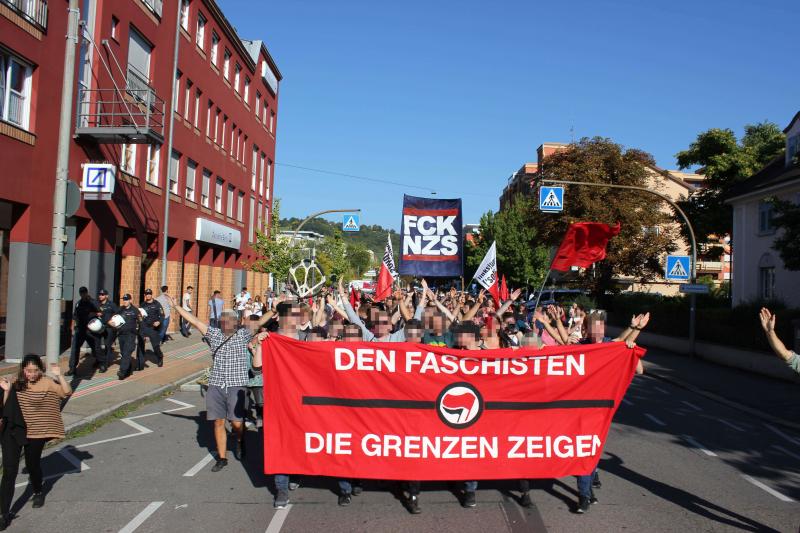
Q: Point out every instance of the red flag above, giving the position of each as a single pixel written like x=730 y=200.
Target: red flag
x=585 y=243
x=353 y=297
x=387 y=274
x=503 y=289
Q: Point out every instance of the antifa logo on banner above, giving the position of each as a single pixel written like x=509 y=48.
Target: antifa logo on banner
x=431 y=237
x=459 y=405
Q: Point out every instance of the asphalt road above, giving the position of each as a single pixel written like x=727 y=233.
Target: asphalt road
x=675 y=461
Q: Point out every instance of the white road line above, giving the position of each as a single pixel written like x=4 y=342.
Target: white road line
x=662 y=391
x=699 y=446
x=782 y=434
x=655 y=420
x=183 y=405
x=199 y=466
x=79 y=465
x=278 y=519
x=139 y=519
x=785 y=451
x=768 y=489
x=141 y=430
x=690 y=404
x=729 y=424
x=627 y=402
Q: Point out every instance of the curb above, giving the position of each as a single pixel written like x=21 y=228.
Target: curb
x=720 y=399
x=173 y=386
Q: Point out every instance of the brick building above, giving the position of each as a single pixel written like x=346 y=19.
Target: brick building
x=219 y=176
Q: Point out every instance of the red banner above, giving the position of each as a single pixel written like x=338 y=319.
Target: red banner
x=415 y=412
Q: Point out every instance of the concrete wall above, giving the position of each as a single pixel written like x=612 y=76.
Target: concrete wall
x=95 y=271
x=27 y=299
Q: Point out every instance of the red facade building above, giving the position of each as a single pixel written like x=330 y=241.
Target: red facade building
x=219 y=176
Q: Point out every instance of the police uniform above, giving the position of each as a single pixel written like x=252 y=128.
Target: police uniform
x=109 y=334
x=126 y=334
x=155 y=313
x=85 y=310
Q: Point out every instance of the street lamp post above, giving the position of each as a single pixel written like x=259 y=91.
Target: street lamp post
x=676 y=207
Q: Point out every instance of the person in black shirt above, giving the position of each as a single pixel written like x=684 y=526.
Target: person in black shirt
x=126 y=334
x=109 y=334
x=85 y=310
x=149 y=328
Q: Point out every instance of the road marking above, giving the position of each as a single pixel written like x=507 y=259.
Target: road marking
x=729 y=424
x=699 y=446
x=782 y=434
x=655 y=420
x=199 y=466
x=768 y=489
x=278 y=519
x=627 y=402
x=690 y=404
x=662 y=391
x=79 y=465
x=139 y=519
x=787 y=452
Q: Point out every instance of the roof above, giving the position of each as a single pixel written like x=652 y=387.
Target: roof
x=254 y=47
x=791 y=123
x=774 y=173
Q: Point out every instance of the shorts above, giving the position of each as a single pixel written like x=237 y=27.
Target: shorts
x=226 y=404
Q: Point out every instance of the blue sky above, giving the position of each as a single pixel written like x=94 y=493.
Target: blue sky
x=455 y=96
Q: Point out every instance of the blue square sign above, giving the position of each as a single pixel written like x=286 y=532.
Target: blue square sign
x=350 y=223
x=551 y=199
x=678 y=267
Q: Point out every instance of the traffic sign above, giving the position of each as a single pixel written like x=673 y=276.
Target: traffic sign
x=694 y=288
x=551 y=199
x=678 y=267
x=350 y=223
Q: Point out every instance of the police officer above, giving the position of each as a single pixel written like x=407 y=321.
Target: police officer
x=85 y=310
x=149 y=328
x=109 y=334
x=126 y=334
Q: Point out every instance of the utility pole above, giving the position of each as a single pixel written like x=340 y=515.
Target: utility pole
x=58 y=237
x=171 y=114
x=692 y=296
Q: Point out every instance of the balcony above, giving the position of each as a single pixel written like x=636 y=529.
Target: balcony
x=34 y=11
x=110 y=116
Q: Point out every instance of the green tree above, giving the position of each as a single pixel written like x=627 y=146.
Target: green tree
x=359 y=258
x=637 y=251
x=725 y=161
x=786 y=216
x=273 y=256
x=520 y=254
x=332 y=256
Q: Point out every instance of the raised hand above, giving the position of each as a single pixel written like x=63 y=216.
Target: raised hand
x=645 y=318
x=5 y=384
x=515 y=294
x=767 y=320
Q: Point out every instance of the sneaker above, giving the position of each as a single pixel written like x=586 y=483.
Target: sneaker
x=413 y=505
x=345 y=499
x=357 y=490
x=281 y=500
x=596 y=481
x=592 y=499
x=239 y=450
x=469 y=499
x=583 y=505
x=219 y=465
x=103 y=369
x=38 y=500
x=294 y=485
x=525 y=500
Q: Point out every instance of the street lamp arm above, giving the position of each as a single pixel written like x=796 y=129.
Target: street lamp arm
x=318 y=213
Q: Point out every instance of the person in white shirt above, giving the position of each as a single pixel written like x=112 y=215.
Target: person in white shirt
x=241 y=301
x=186 y=303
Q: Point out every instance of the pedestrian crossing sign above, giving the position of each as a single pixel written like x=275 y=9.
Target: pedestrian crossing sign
x=350 y=223
x=551 y=199
x=678 y=267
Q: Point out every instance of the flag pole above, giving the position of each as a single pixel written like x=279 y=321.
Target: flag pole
x=539 y=295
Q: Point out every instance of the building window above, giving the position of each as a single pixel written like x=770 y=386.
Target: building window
x=251 y=217
x=214 y=48
x=208 y=118
x=224 y=130
x=139 y=52
x=153 y=160
x=15 y=90
x=261 y=174
x=218 y=196
x=767 y=282
x=185 y=15
x=128 y=159
x=174 y=161
x=197 y=96
x=260 y=210
x=765 y=214
x=239 y=206
x=792 y=148
x=269 y=178
x=257 y=104
x=187 y=99
x=246 y=89
x=226 y=65
x=272 y=121
x=233 y=135
x=254 y=169
x=191 y=172
x=231 y=196
x=216 y=126
x=200 y=36
x=114 y=26
x=205 y=188
x=236 y=76
x=176 y=96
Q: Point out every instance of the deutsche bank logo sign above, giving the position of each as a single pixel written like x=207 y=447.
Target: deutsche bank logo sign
x=678 y=267
x=551 y=199
x=98 y=181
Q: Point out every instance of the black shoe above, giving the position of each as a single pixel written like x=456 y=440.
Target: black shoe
x=70 y=372
x=357 y=490
x=121 y=376
x=219 y=465
x=160 y=362
x=5 y=521
x=596 y=482
x=38 y=500
x=281 y=500
x=469 y=499
x=345 y=499
x=525 y=500
x=168 y=338
x=583 y=505
x=103 y=369
x=413 y=505
x=592 y=499
x=239 y=450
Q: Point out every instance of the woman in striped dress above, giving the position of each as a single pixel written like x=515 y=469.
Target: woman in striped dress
x=31 y=417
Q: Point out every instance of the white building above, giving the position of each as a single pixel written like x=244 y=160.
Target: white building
x=758 y=272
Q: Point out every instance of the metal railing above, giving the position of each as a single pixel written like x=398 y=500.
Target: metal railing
x=138 y=86
x=34 y=11
x=106 y=108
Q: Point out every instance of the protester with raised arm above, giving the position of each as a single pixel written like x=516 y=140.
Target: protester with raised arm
x=767 y=319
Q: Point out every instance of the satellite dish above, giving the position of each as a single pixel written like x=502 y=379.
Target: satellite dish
x=73 y=198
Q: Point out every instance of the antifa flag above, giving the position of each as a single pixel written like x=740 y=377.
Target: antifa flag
x=585 y=243
x=486 y=274
x=415 y=412
x=431 y=238
x=387 y=273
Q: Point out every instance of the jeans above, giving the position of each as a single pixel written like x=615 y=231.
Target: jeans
x=281 y=481
x=470 y=486
x=162 y=329
x=585 y=484
x=81 y=335
x=11 y=457
x=345 y=487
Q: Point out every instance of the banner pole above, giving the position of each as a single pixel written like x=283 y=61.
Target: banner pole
x=539 y=296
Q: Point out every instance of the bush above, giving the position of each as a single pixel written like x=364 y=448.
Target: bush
x=716 y=322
